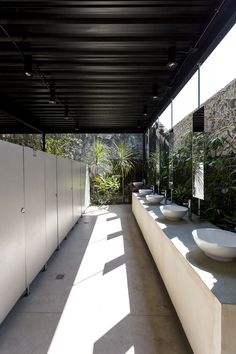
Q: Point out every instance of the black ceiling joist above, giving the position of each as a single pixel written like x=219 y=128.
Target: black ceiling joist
x=103 y=58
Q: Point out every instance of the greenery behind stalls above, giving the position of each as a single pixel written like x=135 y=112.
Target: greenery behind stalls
x=64 y=145
x=33 y=141
x=105 y=187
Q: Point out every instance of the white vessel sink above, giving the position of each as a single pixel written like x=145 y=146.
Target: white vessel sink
x=137 y=184
x=154 y=198
x=173 y=211
x=216 y=243
x=144 y=192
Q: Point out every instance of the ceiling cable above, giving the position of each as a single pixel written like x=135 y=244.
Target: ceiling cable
x=13 y=42
x=38 y=70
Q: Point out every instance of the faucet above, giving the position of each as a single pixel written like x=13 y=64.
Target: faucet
x=158 y=186
x=190 y=209
x=153 y=189
x=165 y=196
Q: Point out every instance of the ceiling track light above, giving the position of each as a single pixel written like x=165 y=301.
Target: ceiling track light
x=154 y=91
x=66 y=111
x=171 y=63
x=145 y=110
x=28 y=65
x=52 y=98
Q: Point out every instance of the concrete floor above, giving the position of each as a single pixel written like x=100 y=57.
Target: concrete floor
x=110 y=298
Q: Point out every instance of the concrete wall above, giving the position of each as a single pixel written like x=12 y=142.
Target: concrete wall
x=220 y=112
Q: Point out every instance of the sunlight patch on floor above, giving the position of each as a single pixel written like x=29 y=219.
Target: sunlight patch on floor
x=131 y=351
x=99 y=298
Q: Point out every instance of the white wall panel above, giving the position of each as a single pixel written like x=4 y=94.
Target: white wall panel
x=54 y=192
x=69 y=196
x=80 y=186
x=12 y=240
x=76 y=190
x=87 y=188
x=82 y=172
x=61 y=197
x=35 y=215
x=51 y=202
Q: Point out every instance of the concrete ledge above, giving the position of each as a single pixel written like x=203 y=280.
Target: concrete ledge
x=203 y=291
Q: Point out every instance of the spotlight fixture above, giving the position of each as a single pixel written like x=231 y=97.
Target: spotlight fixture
x=76 y=126
x=67 y=116
x=145 y=110
x=154 y=91
x=171 y=64
x=28 y=66
x=52 y=98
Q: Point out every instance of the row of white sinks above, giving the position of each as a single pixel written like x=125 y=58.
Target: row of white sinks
x=215 y=243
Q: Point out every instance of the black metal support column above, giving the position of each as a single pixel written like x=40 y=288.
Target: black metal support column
x=144 y=147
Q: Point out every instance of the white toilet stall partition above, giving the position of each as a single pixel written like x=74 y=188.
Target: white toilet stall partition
x=87 y=188
x=69 y=196
x=12 y=237
x=83 y=184
x=35 y=212
x=41 y=198
x=76 y=191
x=51 y=202
x=80 y=188
x=61 y=198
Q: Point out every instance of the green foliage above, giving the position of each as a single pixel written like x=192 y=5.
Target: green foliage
x=31 y=140
x=105 y=187
x=218 y=153
x=182 y=171
x=220 y=181
x=98 y=158
x=122 y=162
x=153 y=167
x=64 y=145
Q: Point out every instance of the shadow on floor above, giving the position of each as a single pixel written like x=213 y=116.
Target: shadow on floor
x=152 y=326
x=30 y=326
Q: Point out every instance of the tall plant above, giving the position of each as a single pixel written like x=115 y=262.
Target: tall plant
x=153 y=165
x=220 y=162
x=123 y=162
x=98 y=158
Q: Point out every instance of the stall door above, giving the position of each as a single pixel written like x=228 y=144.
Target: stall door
x=82 y=172
x=35 y=215
x=12 y=240
x=69 y=195
x=87 y=188
x=61 y=198
x=76 y=190
x=51 y=202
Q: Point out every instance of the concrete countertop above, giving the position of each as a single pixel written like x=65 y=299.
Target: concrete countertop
x=219 y=277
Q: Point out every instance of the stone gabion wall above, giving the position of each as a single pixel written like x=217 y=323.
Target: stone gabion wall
x=181 y=129
x=220 y=116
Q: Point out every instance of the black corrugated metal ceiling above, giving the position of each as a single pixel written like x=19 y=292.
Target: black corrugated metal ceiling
x=103 y=58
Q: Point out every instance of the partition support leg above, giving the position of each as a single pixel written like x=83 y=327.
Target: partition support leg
x=27 y=291
x=45 y=267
